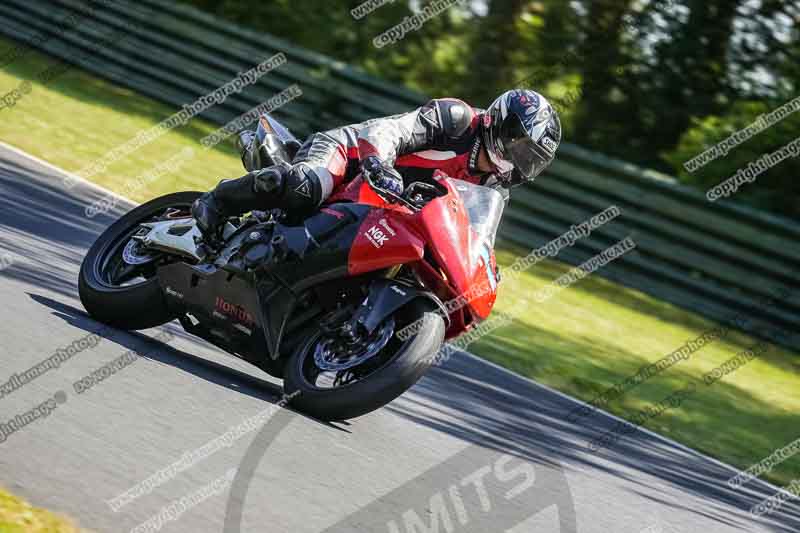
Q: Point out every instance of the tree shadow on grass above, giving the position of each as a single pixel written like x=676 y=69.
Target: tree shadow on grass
x=587 y=367
x=778 y=356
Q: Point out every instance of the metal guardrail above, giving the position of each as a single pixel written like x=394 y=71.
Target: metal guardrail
x=718 y=259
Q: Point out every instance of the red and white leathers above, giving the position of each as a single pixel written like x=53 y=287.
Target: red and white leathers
x=444 y=134
x=519 y=135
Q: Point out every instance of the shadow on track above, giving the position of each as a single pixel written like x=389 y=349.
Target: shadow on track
x=210 y=371
x=450 y=399
x=163 y=353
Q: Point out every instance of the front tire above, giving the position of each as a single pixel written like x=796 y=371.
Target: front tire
x=404 y=365
x=138 y=306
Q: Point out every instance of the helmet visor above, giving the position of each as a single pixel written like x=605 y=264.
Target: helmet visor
x=520 y=150
x=528 y=158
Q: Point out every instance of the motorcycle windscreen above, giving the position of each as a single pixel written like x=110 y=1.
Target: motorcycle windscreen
x=484 y=208
x=275 y=142
x=468 y=256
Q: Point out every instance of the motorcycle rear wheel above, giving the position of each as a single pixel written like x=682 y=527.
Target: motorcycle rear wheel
x=134 y=306
x=398 y=366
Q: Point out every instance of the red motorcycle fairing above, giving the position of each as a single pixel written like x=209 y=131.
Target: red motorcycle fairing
x=384 y=239
x=392 y=234
x=446 y=224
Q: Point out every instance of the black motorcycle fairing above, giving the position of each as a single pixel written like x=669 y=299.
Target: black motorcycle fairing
x=277 y=302
x=387 y=296
x=301 y=274
x=327 y=257
x=224 y=308
x=230 y=302
x=269 y=245
x=313 y=254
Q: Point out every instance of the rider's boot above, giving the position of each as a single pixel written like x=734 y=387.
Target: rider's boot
x=261 y=189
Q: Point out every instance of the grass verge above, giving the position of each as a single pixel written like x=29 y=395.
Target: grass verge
x=582 y=341
x=75 y=119
x=18 y=516
x=596 y=333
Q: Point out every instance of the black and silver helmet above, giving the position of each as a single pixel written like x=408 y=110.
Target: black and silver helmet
x=521 y=132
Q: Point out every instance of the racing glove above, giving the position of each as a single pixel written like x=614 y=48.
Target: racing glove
x=382 y=177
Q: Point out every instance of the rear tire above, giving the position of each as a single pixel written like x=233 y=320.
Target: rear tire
x=139 y=306
x=403 y=369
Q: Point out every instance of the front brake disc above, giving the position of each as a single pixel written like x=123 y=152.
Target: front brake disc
x=327 y=359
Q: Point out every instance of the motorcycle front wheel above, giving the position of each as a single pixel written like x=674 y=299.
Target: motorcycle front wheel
x=327 y=386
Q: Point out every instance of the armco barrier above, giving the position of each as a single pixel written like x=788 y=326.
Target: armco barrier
x=718 y=259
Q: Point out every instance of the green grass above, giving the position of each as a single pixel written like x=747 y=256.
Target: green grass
x=581 y=341
x=18 y=516
x=596 y=333
x=77 y=118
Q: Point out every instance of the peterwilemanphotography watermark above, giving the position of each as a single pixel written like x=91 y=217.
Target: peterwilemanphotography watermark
x=195 y=456
x=765 y=465
x=682 y=353
x=182 y=117
x=625 y=427
x=739 y=137
x=175 y=509
x=110 y=201
x=365 y=8
x=61 y=355
x=753 y=171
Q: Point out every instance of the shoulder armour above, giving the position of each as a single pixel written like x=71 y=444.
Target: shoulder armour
x=454 y=116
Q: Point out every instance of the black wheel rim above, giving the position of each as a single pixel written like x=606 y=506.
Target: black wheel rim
x=338 y=376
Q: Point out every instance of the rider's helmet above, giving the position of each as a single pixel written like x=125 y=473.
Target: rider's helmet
x=521 y=132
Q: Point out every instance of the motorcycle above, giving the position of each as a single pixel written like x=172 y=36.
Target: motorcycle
x=347 y=307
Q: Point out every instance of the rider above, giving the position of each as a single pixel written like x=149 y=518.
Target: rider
x=508 y=144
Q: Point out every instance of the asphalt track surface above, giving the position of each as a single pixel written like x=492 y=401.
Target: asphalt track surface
x=470 y=448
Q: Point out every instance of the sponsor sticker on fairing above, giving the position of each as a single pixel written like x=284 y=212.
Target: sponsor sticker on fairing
x=376 y=236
